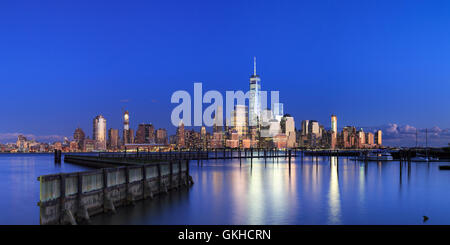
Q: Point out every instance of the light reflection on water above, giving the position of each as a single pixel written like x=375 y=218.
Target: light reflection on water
x=334 y=197
x=316 y=191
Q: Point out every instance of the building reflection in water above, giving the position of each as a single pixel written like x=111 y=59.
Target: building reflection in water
x=256 y=193
x=362 y=183
x=334 y=197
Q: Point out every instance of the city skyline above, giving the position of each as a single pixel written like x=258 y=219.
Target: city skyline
x=394 y=135
x=335 y=59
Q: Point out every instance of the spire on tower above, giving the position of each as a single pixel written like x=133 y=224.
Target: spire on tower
x=254 y=65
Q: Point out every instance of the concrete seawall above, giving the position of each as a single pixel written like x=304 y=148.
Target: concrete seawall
x=74 y=197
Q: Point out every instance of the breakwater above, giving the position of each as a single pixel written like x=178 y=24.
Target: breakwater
x=72 y=198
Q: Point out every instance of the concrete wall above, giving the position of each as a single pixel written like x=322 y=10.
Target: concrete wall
x=74 y=197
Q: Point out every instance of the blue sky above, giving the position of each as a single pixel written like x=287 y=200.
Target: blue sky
x=372 y=63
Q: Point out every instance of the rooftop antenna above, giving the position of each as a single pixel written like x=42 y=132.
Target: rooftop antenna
x=254 y=65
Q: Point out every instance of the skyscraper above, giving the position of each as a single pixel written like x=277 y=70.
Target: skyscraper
x=379 y=137
x=240 y=119
x=128 y=135
x=79 y=137
x=290 y=132
x=161 y=136
x=333 y=131
x=334 y=123
x=113 y=139
x=99 y=132
x=361 y=138
x=181 y=143
x=218 y=120
x=305 y=127
x=314 y=128
x=255 y=98
x=126 y=121
x=369 y=139
x=278 y=111
x=145 y=134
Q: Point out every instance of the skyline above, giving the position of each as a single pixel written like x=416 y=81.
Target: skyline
x=58 y=72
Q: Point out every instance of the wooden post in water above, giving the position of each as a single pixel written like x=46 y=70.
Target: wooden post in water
x=265 y=157
x=57 y=156
x=240 y=158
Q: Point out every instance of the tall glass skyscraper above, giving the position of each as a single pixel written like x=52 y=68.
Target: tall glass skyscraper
x=99 y=132
x=254 y=114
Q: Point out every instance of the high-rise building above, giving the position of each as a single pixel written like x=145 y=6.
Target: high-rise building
x=305 y=127
x=99 y=132
x=333 y=131
x=126 y=120
x=290 y=132
x=278 y=111
x=274 y=129
x=181 y=143
x=361 y=138
x=240 y=119
x=113 y=139
x=79 y=137
x=145 y=134
x=218 y=120
x=334 y=123
x=203 y=132
x=314 y=128
x=255 y=98
x=379 y=137
x=314 y=133
x=161 y=136
x=128 y=134
x=369 y=139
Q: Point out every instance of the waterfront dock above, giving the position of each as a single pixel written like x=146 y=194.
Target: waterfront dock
x=74 y=197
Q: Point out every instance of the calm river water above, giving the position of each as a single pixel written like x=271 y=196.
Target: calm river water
x=329 y=191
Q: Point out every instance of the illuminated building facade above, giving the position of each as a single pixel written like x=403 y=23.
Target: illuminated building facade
x=145 y=134
x=254 y=113
x=240 y=120
x=113 y=139
x=99 y=132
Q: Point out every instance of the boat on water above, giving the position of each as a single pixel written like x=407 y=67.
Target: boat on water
x=422 y=158
x=375 y=156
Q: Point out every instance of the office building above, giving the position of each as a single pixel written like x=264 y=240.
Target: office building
x=99 y=132
x=113 y=139
x=379 y=137
x=240 y=120
x=254 y=113
x=161 y=136
x=145 y=134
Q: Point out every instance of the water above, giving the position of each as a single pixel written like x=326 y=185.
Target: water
x=311 y=193
x=19 y=192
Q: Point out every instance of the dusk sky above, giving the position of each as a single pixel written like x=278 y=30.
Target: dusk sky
x=375 y=64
